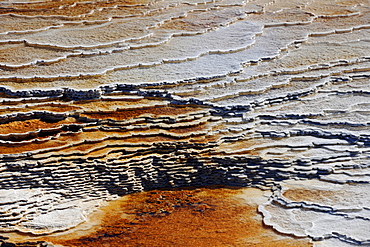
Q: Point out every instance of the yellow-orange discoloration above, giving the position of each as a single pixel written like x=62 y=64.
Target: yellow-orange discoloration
x=55 y=108
x=184 y=217
x=30 y=125
x=241 y=147
x=191 y=129
x=27 y=147
x=132 y=113
x=313 y=195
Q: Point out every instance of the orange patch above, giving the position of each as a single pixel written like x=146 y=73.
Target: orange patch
x=132 y=113
x=28 y=126
x=27 y=147
x=210 y=216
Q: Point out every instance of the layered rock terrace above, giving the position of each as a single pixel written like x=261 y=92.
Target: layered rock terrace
x=104 y=98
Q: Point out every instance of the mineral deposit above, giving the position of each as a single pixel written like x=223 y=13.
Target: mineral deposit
x=99 y=99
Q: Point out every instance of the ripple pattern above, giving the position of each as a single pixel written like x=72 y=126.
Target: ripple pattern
x=104 y=98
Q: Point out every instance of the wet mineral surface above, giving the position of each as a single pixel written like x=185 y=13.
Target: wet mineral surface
x=102 y=99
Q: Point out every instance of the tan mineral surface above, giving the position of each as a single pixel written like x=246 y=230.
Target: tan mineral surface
x=184 y=123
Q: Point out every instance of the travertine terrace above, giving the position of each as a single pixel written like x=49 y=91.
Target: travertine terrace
x=100 y=99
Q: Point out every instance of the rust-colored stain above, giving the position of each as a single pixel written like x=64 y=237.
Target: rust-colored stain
x=113 y=104
x=29 y=125
x=54 y=108
x=132 y=113
x=211 y=216
x=191 y=129
x=27 y=147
